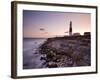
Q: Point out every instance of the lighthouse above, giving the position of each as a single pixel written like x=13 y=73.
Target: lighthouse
x=70 y=28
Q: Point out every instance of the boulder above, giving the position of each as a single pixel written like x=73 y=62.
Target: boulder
x=52 y=65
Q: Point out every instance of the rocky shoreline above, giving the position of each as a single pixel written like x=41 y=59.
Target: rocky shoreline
x=69 y=51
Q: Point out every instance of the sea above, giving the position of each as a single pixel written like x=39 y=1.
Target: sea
x=31 y=55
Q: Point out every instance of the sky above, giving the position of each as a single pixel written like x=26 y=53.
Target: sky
x=45 y=24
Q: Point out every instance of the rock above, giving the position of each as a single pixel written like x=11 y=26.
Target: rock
x=77 y=55
x=35 y=53
x=44 y=63
x=51 y=54
x=52 y=65
x=81 y=63
x=67 y=51
x=43 y=58
x=70 y=62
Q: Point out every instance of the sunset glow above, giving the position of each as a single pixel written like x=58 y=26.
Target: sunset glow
x=46 y=24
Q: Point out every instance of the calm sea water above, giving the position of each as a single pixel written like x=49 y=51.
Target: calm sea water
x=31 y=56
